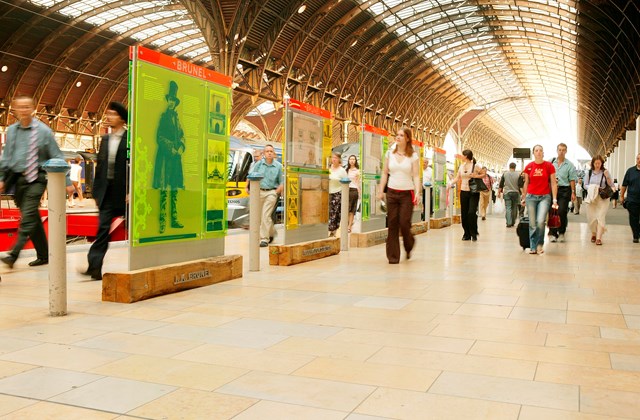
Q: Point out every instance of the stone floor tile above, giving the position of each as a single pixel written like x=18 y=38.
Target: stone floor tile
x=609 y=402
x=537 y=314
x=281 y=328
x=138 y=344
x=113 y=394
x=401 y=404
x=537 y=413
x=227 y=336
x=300 y=391
x=590 y=377
x=508 y=390
x=43 y=383
x=53 y=411
x=63 y=356
x=276 y=410
x=625 y=362
x=193 y=404
x=333 y=349
x=424 y=342
x=490 y=334
x=179 y=373
x=10 y=404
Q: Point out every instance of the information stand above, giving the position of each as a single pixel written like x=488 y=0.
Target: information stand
x=439 y=183
x=373 y=146
x=179 y=141
x=306 y=153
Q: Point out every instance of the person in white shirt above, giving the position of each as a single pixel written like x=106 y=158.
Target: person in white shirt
x=336 y=173
x=75 y=174
x=401 y=175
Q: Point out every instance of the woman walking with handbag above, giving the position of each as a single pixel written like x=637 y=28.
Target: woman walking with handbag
x=402 y=177
x=539 y=181
x=336 y=173
x=469 y=194
x=596 y=182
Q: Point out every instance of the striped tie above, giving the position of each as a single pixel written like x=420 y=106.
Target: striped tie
x=31 y=171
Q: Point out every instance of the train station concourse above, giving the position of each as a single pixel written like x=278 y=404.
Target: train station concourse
x=247 y=275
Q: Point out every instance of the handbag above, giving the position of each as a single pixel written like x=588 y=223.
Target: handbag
x=605 y=192
x=476 y=184
x=554 y=219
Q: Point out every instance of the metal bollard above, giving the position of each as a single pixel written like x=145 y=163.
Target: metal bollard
x=427 y=203
x=56 y=171
x=450 y=204
x=344 y=215
x=255 y=218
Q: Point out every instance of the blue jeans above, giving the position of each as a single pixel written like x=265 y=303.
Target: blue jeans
x=511 y=204
x=538 y=208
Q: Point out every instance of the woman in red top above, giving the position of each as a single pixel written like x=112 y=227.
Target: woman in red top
x=539 y=181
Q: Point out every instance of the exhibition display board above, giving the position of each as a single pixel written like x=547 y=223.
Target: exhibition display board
x=459 y=159
x=439 y=182
x=374 y=143
x=179 y=140
x=307 y=138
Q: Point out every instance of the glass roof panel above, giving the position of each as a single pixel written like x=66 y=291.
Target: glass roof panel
x=165 y=20
x=498 y=52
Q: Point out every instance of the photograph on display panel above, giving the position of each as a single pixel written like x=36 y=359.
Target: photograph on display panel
x=372 y=153
x=305 y=149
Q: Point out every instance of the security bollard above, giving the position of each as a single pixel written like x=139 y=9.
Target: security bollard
x=56 y=172
x=255 y=218
x=427 y=203
x=344 y=215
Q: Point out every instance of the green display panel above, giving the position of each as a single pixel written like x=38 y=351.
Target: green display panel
x=180 y=141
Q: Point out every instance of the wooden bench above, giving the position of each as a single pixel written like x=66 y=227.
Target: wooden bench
x=146 y=283
x=303 y=252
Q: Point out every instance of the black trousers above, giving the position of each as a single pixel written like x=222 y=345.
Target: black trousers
x=108 y=212
x=564 y=198
x=468 y=209
x=27 y=198
x=634 y=218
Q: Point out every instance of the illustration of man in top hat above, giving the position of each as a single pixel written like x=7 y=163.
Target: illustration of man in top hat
x=167 y=173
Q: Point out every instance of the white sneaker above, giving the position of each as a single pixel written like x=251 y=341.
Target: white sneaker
x=561 y=237
x=553 y=238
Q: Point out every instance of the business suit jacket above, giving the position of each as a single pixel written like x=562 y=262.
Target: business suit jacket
x=117 y=198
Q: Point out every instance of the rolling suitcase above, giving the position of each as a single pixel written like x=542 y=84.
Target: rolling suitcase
x=523 y=232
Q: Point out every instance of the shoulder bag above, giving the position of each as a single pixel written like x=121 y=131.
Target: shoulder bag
x=605 y=192
x=476 y=184
x=554 y=219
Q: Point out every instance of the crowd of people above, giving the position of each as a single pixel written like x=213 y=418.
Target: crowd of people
x=542 y=185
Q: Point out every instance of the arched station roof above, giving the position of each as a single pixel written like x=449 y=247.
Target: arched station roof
x=526 y=70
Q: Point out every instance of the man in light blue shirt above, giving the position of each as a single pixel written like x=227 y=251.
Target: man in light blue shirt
x=567 y=177
x=270 y=190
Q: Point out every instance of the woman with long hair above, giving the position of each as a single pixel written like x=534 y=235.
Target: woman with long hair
x=539 y=182
x=597 y=207
x=336 y=173
x=402 y=177
x=468 y=200
x=353 y=172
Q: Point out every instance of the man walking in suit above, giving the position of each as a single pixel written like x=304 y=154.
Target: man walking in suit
x=30 y=143
x=109 y=185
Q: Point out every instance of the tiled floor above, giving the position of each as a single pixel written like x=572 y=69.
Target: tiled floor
x=461 y=331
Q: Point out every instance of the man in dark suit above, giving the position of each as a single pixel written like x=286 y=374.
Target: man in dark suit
x=109 y=185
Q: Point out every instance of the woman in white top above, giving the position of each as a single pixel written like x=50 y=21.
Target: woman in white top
x=468 y=200
x=353 y=171
x=402 y=177
x=75 y=174
x=336 y=173
x=597 y=208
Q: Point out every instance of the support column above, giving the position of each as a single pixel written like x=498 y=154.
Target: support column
x=56 y=171
x=632 y=151
x=344 y=215
x=255 y=218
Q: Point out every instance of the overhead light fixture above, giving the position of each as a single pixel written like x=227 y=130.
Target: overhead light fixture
x=355 y=41
x=302 y=8
x=4 y=68
x=78 y=84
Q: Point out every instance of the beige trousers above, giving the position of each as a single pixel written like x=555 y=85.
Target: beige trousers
x=485 y=197
x=268 y=201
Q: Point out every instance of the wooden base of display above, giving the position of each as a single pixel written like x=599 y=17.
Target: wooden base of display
x=377 y=237
x=456 y=219
x=136 y=285
x=440 y=223
x=303 y=252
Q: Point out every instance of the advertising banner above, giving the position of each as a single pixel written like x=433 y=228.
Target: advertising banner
x=180 y=139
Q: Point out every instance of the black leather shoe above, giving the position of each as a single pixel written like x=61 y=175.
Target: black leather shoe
x=39 y=261
x=474 y=238
x=466 y=238
x=9 y=260
x=636 y=240
x=95 y=274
